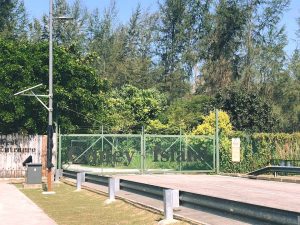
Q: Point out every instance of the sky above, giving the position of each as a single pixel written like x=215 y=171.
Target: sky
x=36 y=8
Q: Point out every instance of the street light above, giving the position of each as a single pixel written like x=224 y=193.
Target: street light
x=49 y=164
x=50 y=107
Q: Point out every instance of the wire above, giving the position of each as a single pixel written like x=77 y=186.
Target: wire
x=67 y=108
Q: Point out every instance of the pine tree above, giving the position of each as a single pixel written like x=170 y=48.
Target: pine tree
x=13 y=19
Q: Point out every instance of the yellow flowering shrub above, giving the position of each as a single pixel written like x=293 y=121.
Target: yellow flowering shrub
x=208 y=125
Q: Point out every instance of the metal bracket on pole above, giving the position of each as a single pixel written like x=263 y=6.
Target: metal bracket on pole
x=41 y=101
x=35 y=95
x=28 y=89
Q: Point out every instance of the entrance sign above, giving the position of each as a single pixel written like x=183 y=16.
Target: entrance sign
x=236 y=149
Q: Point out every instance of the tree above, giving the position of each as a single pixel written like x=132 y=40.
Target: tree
x=134 y=108
x=208 y=126
x=71 y=33
x=247 y=109
x=13 y=19
x=6 y=9
x=223 y=41
x=24 y=64
x=263 y=43
x=186 y=113
x=286 y=96
x=170 y=47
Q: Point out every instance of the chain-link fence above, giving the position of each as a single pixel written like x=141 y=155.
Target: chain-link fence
x=137 y=153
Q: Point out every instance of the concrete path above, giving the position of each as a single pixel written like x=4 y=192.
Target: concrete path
x=16 y=208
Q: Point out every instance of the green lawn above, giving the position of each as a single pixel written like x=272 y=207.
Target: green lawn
x=68 y=207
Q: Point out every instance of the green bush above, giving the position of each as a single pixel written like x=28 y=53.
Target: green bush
x=258 y=149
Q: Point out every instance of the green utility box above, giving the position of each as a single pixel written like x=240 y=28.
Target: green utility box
x=33 y=173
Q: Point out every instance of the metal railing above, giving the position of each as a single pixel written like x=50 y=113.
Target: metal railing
x=276 y=169
x=259 y=213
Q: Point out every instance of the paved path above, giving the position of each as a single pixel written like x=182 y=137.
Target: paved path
x=17 y=209
x=272 y=194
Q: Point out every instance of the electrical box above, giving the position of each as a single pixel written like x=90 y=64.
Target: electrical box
x=33 y=173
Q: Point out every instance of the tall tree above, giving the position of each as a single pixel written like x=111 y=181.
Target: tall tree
x=263 y=43
x=24 y=64
x=71 y=32
x=13 y=19
x=223 y=41
x=170 y=47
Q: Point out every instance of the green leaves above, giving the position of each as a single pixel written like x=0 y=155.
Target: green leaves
x=134 y=107
x=247 y=109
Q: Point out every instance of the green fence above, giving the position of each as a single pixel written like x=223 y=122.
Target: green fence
x=137 y=153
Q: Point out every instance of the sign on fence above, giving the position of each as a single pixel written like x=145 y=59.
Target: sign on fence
x=15 y=148
x=236 y=149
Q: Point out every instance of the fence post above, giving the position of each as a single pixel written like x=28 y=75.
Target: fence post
x=58 y=174
x=59 y=148
x=80 y=179
x=168 y=204
x=143 y=150
x=171 y=197
x=175 y=196
x=58 y=170
x=102 y=145
x=217 y=141
x=113 y=187
x=180 y=149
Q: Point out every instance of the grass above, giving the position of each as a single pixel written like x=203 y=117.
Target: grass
x=68 y=207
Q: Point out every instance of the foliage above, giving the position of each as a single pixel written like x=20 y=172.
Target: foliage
x=209 y=124
x=258 y=149
x=131 y=108
x=247 y=109
x=183 y=115
x=13 y=19
x=24 y=65
x=184 y=47
x=287 y=96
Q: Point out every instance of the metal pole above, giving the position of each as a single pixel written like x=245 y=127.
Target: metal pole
x=59 y=149
x=50 y=120
x=102 y=149
x=50 y=64
x=180 y=150
x=142 y=150
x=217 y=142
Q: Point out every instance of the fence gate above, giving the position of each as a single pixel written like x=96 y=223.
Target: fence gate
x=137 y=153
x=101 y=153
x=179 y=153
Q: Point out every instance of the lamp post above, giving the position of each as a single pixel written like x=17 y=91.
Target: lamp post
x=50 y=107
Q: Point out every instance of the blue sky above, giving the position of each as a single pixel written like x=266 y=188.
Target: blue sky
x=36 y=8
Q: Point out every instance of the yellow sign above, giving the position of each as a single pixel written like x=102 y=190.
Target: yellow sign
x=236 y=149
